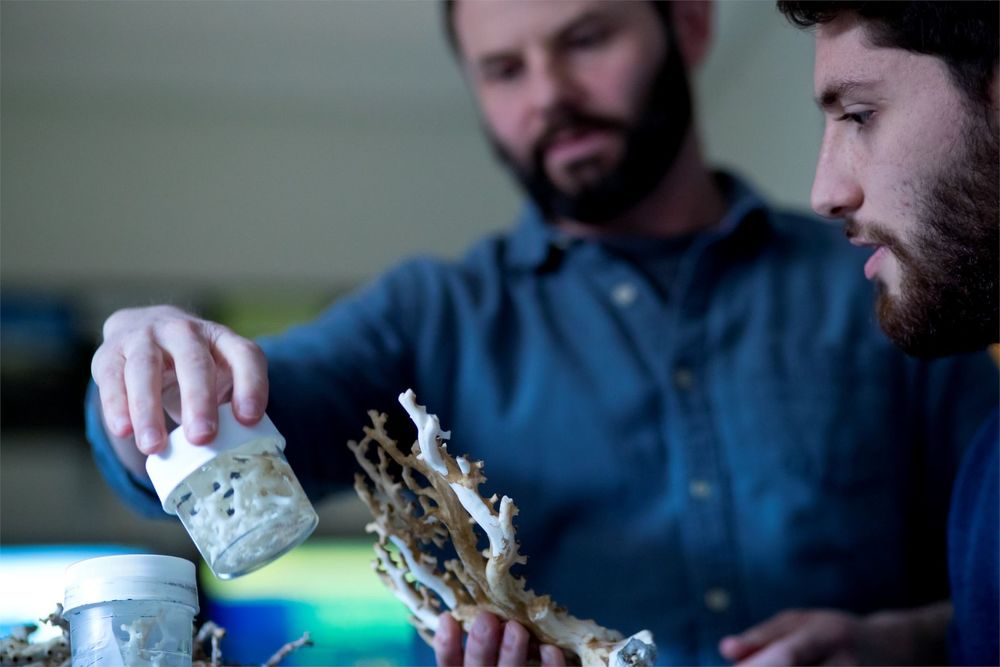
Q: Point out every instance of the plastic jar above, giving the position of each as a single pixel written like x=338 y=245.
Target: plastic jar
x=131 y=611
x=237 y=496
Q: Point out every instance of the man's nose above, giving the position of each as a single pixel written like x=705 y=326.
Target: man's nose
x=552 y=84
x=836 y=190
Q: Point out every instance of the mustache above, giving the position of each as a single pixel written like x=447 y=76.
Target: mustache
x=877 y=234
x=569 y=119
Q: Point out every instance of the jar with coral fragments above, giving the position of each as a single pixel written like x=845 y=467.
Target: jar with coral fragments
x=237 y=496
x=131 y=611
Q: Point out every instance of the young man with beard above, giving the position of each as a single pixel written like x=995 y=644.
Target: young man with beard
x=650 y=363
x=910 y=162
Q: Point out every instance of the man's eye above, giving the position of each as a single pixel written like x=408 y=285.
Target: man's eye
x=586 y=39
x=501 y=72
x=858 y=117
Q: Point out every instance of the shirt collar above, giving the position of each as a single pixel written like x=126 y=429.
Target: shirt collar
x=533 y=242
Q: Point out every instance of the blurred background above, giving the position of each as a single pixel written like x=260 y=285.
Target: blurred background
x=252 y=161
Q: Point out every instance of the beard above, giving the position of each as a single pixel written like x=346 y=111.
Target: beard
x=651 y=144
x=948 y=297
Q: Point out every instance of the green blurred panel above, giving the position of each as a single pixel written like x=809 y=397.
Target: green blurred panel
x=325 y=586
x=346 y=567
x=261 y=312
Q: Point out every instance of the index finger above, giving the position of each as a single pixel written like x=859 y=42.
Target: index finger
x=795 y=649
x=108 y=371
x=144 y=388
x=739 y=647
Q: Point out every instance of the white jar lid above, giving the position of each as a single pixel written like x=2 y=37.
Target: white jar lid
x=130 y=577
x=170 y=467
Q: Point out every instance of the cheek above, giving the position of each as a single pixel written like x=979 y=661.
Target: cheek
x=505 y=123
x=618 y=88
x=890 y=192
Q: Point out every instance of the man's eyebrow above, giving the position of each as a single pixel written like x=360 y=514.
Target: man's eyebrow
x=832 y=93
x=498 y=55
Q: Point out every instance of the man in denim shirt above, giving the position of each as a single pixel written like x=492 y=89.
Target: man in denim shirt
x=652 y=363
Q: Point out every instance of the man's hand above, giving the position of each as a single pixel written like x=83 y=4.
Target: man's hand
x=490 y=642
x=827 y=637
x=162 y=359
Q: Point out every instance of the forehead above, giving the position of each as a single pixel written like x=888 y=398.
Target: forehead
x=485 y=26
x=846 y=55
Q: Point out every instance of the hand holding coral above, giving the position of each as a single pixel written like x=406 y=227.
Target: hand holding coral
x=491 y=642
x=424 y=499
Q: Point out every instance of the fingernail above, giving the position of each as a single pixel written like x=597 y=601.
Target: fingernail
x=149 y=440
x=201 y=429
x=249 y=408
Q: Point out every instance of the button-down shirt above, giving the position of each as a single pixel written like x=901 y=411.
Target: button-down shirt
x=697 y=435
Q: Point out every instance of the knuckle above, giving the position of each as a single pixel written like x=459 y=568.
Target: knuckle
x=105 y=375
x=247 y=348
x=144 y=356
x=180 y=328
x=195 y=361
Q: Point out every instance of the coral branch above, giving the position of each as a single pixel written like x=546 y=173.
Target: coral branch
x=275 y=659
x=435 y=500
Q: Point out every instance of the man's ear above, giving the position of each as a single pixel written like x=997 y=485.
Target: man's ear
x=693 y=26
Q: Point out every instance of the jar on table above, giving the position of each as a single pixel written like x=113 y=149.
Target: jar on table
x=237 y=496
x=131 y=611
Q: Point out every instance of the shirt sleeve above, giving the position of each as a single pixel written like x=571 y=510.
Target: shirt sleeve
x=324 y=377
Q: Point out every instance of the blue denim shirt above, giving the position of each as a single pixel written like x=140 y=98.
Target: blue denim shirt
x=974 y=552
x=695 y=441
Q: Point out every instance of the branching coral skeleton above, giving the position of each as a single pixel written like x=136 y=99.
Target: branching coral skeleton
x=411 y=515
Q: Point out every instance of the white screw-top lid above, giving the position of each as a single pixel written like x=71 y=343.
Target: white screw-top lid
x=130 y=577
x=170 y=467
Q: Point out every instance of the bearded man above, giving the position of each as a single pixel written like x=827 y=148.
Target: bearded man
x=909 y=161
x=651 y=363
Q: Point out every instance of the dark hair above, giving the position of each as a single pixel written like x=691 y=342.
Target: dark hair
x=448 y=18
x=962 y=34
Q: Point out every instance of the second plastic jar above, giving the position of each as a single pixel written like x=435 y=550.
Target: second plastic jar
x=131 y=611
x=237 y=496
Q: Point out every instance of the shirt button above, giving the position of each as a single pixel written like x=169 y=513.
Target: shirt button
x=700 y=489
x=717 y=599
x=683 y=378
x=624 y=294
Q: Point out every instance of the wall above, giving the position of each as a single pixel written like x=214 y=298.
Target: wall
x=225 y=142
x=207 y=152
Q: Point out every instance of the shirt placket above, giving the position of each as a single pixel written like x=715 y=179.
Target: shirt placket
x=707 y=519
x=670 y=333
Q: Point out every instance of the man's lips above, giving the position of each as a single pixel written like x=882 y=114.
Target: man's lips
x=572 y=145
x=875 y=261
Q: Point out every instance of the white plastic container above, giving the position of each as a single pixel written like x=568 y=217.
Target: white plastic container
x=131 y=611
x=237 y=497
